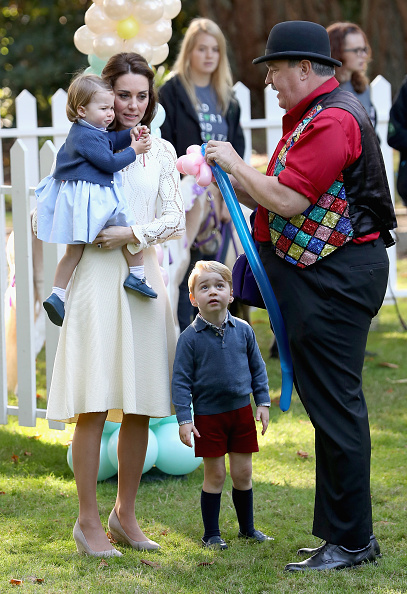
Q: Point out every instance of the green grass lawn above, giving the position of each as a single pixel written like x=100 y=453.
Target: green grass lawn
x=38 y=504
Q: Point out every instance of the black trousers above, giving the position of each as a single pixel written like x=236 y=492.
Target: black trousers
x=327 y=310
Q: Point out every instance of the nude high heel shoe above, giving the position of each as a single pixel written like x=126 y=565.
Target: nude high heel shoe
x=119 y=535
x=83 y=547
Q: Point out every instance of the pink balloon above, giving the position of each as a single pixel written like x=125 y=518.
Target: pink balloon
x=160 y=253
x=204 y=176
x=179 y=166
x=194 y=148
x=165 y=276
x=191 y=163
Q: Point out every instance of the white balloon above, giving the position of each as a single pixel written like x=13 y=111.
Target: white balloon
x=98 y=2
x=117 y=9
x=160 y=53
x=139 y=46
x=83 y=39
x=171 y=8
x=107 y=45
x=158 y=33
x=149 y=11
x=97 y=21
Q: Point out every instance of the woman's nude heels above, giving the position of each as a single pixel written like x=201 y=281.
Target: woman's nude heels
x=83 y=547
x=119 y=535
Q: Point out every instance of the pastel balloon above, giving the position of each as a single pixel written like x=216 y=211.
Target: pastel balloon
x=159 y=117
x=106 y=45
x=117 y=9
x=83 y=39
x=139 y=46
x=154 y=421
x=194 y=148
x=97 y=21
x=96 y=63
x=191 y=163
x=179 y=165
x=106 y=468
x=171 y=8
x=151 y=453
x=158 y=32
x=174 y=457
x=128 y=28
x=160 y=53
x=150 y=11
x=204 y=175
x=160 y=254
x=165 y=276
x=109 y=427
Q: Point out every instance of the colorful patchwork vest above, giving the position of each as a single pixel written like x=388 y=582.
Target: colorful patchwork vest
x=322 y=228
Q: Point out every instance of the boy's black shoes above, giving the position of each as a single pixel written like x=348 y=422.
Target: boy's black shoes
x=257 y=536
x=334 y=557
x=215 y=542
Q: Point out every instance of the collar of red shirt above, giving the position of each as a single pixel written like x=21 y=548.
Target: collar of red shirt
x=295 y=114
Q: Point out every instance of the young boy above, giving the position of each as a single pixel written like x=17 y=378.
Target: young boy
x=217 y=366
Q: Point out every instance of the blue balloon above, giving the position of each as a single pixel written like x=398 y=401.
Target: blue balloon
x=152 y=451
x=171 y=419
x=151 y=454
x=174 y=457
x=262 y=280
x=106 y=468
x=109 y=427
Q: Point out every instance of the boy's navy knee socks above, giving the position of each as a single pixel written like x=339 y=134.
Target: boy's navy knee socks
x=210 y=508
x=243 y=502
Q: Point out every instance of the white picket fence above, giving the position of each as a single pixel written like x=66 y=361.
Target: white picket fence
x=28 y=166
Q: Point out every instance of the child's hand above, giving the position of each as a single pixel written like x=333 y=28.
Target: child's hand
x=185 y=433
x=142 y=143
x=262 y=415
x=139 y=130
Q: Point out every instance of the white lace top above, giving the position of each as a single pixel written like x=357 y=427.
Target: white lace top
x=159 y=217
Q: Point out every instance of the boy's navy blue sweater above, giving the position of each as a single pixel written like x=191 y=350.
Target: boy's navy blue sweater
x=219 y=373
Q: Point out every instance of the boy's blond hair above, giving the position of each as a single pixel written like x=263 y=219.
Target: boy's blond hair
x=209 y=266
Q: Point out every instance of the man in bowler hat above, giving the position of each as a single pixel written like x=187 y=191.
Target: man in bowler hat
x=323 y=221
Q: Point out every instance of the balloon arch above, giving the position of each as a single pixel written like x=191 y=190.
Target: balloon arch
x=113 y=26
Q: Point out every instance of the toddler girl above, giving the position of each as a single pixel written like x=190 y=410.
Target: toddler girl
x=83 y=195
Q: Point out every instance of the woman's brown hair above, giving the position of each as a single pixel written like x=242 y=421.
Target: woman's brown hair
x=126 y=63
x=337 y=33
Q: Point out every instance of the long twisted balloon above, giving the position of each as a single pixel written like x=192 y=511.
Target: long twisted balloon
x=262 y=280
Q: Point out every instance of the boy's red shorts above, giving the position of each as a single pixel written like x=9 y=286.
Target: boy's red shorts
x=232 y=431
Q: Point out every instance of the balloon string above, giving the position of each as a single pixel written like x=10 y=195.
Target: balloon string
x=262 y=280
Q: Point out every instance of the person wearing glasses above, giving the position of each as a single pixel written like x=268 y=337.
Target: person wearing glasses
x=350 y=46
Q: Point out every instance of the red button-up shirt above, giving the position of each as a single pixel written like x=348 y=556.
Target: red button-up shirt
x=327 y=146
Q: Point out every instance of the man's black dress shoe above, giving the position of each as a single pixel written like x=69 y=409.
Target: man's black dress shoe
x=333 y=557
x=310 y=552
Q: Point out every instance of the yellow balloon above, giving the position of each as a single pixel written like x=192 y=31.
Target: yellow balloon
x=128 y=28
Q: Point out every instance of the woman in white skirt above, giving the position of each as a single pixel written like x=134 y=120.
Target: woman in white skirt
x=115 y=352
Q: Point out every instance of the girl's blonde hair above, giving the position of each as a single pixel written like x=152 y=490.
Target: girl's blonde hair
x=209 y=266
x=221 y=80
x=337 y=33
x=81 y=91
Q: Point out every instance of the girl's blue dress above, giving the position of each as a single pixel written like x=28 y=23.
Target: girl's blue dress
x=76 y=211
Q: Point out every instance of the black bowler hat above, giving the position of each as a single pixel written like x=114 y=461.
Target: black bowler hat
x=298 y=39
